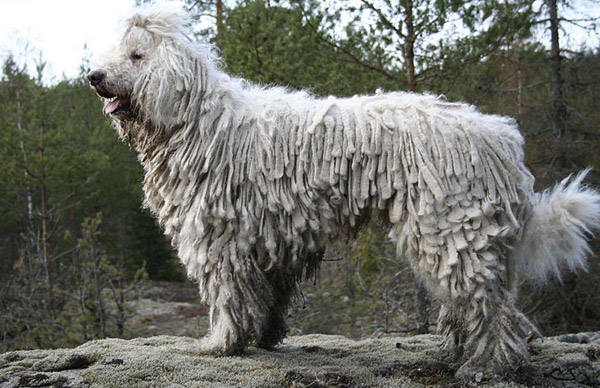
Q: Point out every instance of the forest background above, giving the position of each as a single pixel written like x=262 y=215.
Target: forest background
x=77 y=249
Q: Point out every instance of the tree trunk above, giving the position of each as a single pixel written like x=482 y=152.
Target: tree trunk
x=519 y=86
x=121 y=313
x=558 y=103
x=422 y=307
x=219 y=10
x=45 y=251
x=28 y=191
x=100 y=310
x=409 y=47
x=31 y=230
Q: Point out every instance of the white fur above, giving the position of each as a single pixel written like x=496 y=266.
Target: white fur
x=555 y=236
x=253 y=184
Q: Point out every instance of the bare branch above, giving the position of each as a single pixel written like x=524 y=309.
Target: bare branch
x=345 y=50
x=383 y=18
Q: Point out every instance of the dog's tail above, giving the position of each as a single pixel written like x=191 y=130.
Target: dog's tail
x=555 y=237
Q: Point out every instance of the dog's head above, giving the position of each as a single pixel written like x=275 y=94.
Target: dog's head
x=154 y=72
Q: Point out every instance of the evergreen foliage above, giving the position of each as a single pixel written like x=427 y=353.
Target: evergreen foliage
x=62 y=165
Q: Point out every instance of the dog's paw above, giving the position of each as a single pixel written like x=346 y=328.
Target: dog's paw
x=209 y=346
x=477 y=374
x=476 y=371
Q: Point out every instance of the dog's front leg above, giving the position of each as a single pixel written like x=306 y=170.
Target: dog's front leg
x=240 y=298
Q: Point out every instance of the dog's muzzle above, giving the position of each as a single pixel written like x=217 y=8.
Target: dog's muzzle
x=115 y=105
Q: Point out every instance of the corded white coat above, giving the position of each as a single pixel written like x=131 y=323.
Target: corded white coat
x=253 y=184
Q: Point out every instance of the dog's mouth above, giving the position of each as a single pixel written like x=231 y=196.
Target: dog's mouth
x=116 y=105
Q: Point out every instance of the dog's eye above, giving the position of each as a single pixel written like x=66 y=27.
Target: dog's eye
x=136 y=56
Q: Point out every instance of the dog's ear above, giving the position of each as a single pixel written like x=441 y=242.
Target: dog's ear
x=171 y=86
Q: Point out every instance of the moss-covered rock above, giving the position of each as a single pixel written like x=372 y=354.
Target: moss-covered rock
x=315 y=361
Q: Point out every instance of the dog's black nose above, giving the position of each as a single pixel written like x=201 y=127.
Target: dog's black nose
x=96 y=77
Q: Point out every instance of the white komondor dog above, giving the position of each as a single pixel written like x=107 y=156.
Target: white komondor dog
x=252 y=184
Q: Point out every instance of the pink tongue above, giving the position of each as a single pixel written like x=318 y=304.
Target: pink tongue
x=112 y=106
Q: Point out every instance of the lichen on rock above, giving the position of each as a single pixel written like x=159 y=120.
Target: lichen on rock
x=316 y=361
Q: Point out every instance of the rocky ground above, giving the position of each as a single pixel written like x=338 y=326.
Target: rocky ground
x=315 y=361
x=153 y=359
x=168 y=309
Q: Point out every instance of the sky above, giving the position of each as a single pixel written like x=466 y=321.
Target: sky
x=58 y=30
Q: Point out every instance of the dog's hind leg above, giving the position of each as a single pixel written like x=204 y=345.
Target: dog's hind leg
x=274 y=327
x=482 y=329
x=451 y=328
x=462 y=254
x=495 y=334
